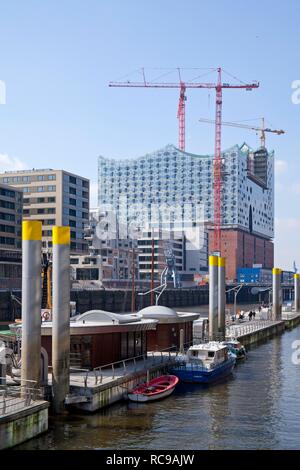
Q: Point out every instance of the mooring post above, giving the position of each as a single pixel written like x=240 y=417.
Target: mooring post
x=296 y=292
x=181 y=341
x=221 y=297
x=213 y=298
x=31 y=301
x=277 y=294
x=60 y=317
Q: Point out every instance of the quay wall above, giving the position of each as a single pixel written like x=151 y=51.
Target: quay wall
x=22 y=425
x=262 y=334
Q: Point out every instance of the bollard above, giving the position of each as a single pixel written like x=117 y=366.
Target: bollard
x=213 y=298
x=221 y=297
x=31 y=301
x=60 y=317
x=181 y=341
x=277 y=295
x=296 y=292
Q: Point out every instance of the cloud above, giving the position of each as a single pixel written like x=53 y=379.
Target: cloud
x=8 y=163
x=93 y=194
x=280 y=167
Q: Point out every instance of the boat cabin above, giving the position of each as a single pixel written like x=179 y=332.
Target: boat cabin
x=208 y=353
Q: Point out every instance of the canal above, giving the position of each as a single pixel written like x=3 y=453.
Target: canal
x=257 y=408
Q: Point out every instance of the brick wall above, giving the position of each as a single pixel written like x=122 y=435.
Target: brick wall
x=242 y=250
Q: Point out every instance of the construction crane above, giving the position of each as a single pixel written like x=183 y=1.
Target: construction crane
x=262 y=130
x=182 y=86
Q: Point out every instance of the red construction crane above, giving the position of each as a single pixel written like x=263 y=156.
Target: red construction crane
x=262 y=129
x=183 y=85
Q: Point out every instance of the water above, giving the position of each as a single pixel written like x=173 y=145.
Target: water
x=257 y=408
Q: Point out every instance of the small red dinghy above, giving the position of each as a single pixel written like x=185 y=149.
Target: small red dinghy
x=157 y=388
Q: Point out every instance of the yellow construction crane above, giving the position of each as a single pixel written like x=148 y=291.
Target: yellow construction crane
x=262 y=130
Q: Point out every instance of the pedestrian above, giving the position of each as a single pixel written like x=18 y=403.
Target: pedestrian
x=253 y=314
x=250 y=315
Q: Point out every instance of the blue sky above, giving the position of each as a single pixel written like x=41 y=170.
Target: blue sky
x=57 y=57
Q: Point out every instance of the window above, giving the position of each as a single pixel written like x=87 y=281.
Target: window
x=51 y=188
x=72 y=201
x=51 y=177
x=49 y=221
x=72 y=179
x=41 y=211
x=5 y=216
x=51 y=199
x=40 y=177
x=72 y=190
x=51 y=210
x=40 y=200
x=40 y=189
x=7 y=204
x=72 y=212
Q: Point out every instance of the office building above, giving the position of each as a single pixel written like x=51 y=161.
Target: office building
x=10 y=237
x=56 y=197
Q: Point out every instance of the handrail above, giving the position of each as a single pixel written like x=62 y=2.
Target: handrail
x=156 y=356
x=16 y=397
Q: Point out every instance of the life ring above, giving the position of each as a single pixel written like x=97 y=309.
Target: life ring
x=46 y=316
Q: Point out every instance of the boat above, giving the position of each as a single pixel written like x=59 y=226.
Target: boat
x=155 y=389
x=236 y=348
x=205 y=363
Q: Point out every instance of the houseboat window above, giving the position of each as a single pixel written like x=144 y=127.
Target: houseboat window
x=211 y=354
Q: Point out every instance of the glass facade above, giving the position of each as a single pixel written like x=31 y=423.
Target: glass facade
x=171 y=178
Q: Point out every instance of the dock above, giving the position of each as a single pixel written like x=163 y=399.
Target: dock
x=103 y=386
x=23 y=414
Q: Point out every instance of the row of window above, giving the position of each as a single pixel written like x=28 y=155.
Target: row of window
x=7 y=241
x=38 y=200
x=7 y=193
x=7 y=204
x=39 y=189
x=76 y=181
x=49 y=210
x=27 y=179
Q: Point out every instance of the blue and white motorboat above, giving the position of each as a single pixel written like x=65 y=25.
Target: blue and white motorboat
x=204 y=363
x=236 y=348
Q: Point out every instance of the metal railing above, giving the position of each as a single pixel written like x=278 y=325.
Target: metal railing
x=246 y=328
x=120 y=368
x=17 y=397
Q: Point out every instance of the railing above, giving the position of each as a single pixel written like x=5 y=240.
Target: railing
x=244 y=329
x=17 y=397
x=120 y=368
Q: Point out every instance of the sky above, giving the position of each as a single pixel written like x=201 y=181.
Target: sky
x=57 y=58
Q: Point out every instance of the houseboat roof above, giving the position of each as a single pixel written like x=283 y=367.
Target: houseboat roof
x=166 y=315
x=100 y=321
